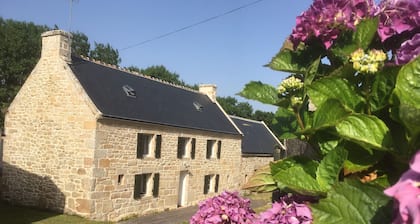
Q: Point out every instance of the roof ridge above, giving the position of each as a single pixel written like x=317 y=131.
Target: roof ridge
x=124 y=69
x=246 y=119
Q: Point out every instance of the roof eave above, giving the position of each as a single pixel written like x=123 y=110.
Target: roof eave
x=166 y=124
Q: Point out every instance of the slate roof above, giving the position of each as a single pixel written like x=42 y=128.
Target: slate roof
x=154 y=102
x=257 y=139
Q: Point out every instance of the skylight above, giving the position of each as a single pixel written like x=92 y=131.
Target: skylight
x=198 y=106
x=129 y=91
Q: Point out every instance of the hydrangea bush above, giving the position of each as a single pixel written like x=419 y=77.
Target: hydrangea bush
x=353 y=94
x=226 y=208
x=230 y=208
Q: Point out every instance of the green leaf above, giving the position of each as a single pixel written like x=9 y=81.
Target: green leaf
x=263 y=93
x=329 y=114
x=309 y=165
x=295 y=61
x=360 y=159
x=382 y=87
x=407 y=89
x=297 y=174
x=326 y=145
x=311 y=73
x=261 y=181
x=361 y=38
x=367 y=131
x=344 y=71
x=365 y=32
x=330 y=167
x=296 y=179
x=335 y=88
x=285 y=61
x=353 y=202
x=285 y=124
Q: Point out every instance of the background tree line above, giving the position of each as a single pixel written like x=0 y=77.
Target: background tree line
x=20 y=50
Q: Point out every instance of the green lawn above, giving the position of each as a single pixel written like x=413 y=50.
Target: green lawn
x=23 y=215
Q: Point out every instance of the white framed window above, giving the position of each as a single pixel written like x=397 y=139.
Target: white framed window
x=214 y=148
x=211 y=183
x=146 y=184
x=186 y=147
x=148 y=145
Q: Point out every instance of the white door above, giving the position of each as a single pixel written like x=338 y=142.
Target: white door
x=183 y=188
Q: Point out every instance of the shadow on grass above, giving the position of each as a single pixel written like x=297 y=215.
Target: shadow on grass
x=23 y=188
x=17 y=214
x=11 y=214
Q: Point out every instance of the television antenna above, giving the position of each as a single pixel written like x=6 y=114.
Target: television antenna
x=71 y=14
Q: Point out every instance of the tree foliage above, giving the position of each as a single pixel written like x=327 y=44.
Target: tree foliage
x=20 y=49
x=162 y=73
x=80 y=44
x=243 y=109
x=105 y=53
x=233 y=107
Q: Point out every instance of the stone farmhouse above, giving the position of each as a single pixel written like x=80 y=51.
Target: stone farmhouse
x=86 y=138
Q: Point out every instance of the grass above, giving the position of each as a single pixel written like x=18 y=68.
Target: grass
x=23 y=215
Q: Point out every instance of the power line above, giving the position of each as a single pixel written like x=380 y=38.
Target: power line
x=191 y=25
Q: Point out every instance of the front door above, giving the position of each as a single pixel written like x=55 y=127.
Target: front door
x=183 y=188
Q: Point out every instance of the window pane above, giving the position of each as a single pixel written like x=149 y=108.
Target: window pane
x=209 y=149
x=146 y=142
x=143 y=143
x=206 y=183
x=140 y=185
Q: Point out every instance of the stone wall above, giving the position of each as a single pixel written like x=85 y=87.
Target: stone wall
x=116 y=157
x=50 y=140
x=249 y=164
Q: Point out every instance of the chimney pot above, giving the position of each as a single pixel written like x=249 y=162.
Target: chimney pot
x=56 y=43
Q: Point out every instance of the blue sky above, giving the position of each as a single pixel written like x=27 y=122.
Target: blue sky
x=228 y=51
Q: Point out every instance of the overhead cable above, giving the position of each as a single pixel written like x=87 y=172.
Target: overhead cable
x=191 y=25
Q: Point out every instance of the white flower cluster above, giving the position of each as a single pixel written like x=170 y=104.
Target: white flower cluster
x=291 y=87
x=290 y=84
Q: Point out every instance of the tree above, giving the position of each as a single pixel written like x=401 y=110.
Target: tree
x=162 y=73
x=20 y=49
x=267 y=117
x=80 y=44
x=105 y=53
x=233 y=107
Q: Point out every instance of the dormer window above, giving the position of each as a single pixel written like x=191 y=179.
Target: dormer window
x=129 y=91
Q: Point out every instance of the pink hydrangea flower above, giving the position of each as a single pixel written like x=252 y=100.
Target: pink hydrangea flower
x=406 y=194
x=288 y=210
x=226 y=208
x=325 y=19
x=409 y=50
x=398 y=16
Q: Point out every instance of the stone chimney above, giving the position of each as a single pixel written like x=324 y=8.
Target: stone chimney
x=209 y=90
x=56 y=43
